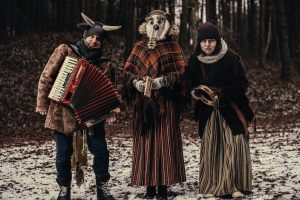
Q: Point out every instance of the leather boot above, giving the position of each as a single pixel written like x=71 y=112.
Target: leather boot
x=150 y=192
x=103 y=192
x=162 y=192
x=65 y=190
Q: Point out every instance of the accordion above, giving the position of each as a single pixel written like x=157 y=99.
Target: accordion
x=87 y=90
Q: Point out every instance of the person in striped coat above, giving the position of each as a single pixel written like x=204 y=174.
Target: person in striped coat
x=157 y=159
x=225 y=163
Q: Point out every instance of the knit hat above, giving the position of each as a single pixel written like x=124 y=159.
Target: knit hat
x=94 y=28
x=208 y=30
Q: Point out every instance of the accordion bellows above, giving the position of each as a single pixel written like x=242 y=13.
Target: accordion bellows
x=87 y=90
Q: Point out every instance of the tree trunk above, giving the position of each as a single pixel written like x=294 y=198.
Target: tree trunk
x=211 y=13
x=194 y=21
x=270 y=24
x=102 y=11
x=253 y=40
x=184 y=27
x=129 y=26
x=286 y=64
x=262 y=55
x=239 y=25
x=171 y=6
x=225 y=22
x=245 y=45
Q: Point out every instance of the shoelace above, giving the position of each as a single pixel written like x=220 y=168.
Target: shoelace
x=105 y=189
x=63 y=191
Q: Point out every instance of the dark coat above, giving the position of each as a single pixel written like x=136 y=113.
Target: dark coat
x=227 y=74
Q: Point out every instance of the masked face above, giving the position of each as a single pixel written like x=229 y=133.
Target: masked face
x=157 y=27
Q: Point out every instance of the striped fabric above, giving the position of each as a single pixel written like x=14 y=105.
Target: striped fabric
x=157 y=155
x=242 y=119
x=225 y=163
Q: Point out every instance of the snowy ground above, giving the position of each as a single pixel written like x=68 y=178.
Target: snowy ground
x=28 y=172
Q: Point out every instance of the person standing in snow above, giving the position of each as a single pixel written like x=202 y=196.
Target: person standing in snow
x=216 y=78
x=157 y=159
x=60 y=118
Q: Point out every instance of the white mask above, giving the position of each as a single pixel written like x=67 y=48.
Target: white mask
x=157 y=27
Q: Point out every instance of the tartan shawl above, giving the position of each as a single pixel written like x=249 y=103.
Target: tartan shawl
x=166 y=57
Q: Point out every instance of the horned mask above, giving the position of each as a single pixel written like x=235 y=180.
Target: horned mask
x=157 y=27
x=94 y=28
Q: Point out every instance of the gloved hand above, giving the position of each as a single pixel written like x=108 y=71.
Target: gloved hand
x=139 y=85
x=159 y=82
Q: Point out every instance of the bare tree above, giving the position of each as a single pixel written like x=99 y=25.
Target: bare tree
x=261 y=46
x=252 y=34
x=285 y=60
x=211 y=11
x=194 y=22
x=184 y=26
x=225 y=19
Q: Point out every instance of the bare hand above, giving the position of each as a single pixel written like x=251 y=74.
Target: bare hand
x=42 y=112
x=111 y=120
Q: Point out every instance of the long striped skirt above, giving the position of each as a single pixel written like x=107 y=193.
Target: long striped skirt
x=225 y=163
x=157 y=154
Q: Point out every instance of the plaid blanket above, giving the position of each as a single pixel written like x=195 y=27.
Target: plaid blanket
x=166 y=57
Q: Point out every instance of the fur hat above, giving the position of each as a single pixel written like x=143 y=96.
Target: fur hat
x=159 y=12
x=208 y=30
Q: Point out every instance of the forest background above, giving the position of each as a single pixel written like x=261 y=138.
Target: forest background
x=266 y=33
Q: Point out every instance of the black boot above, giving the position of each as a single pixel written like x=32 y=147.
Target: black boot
x=65 y=190
x=103 y=192
x=150 y=192
x=162 y=192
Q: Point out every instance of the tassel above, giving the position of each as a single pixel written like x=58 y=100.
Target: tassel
x=79 y=174
x=79 y=157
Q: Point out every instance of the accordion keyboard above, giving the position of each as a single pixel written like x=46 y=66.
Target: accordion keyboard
x=62 y=79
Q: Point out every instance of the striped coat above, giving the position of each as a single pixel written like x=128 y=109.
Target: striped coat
x=157 y=146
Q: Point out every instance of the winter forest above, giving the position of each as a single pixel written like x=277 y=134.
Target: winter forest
x=265 y=34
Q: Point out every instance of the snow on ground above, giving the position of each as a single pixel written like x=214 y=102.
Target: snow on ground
x=28 y=172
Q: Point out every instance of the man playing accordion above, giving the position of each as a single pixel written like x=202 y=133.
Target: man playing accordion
x=61 y=118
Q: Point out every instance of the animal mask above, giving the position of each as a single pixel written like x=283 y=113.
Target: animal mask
x=157 y=27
